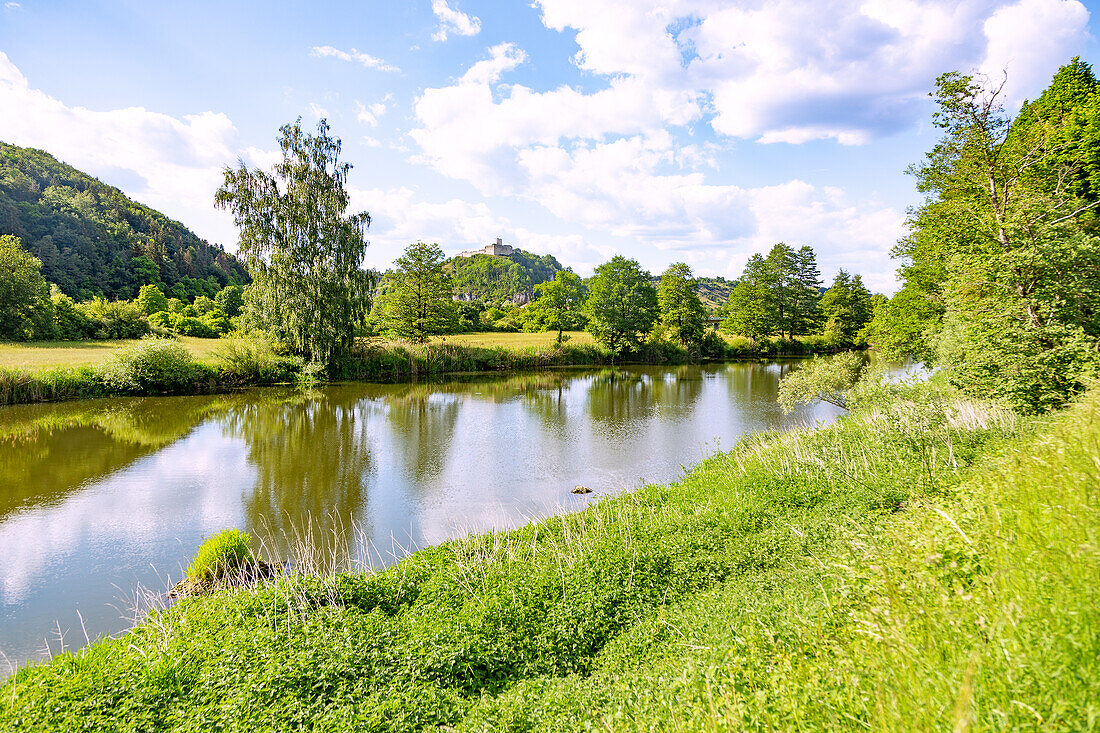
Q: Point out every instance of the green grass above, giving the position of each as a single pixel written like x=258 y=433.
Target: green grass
x=45 y=355
x=894 y=571
x=220 y=555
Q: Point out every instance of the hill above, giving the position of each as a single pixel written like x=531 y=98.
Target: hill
x=94 y=240
x=714 y=291
x=493 y=279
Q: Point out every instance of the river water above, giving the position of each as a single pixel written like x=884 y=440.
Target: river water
x=100 y=497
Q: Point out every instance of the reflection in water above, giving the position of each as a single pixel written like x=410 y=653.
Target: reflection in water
x=312 y=462
x=94 y=495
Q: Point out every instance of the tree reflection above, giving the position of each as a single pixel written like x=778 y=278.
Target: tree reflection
x=313 y=462
x=50 y=451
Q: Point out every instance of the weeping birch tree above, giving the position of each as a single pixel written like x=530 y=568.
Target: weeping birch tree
x=304 y=253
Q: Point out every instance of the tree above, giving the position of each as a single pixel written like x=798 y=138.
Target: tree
x=805 y=308
x=557 y=301
x=621 y=306
x=751 y=311
x=304 y=254
x=152 y=299
x=681 y=310
x=846 y=307
x=419 y=303
x=1001 y=278
x=25 y=307
x=230 y=299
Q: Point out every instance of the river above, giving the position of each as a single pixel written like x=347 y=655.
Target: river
x=100 y=497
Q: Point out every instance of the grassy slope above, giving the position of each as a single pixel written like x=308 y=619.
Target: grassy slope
x=812 y=580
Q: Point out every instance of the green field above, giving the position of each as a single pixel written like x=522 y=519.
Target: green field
x=929 y=564
x=37 y=355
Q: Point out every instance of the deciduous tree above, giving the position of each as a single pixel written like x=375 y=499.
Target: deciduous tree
x=682 y=312
x=419 y=302
x=621 y=305
x=303 y=251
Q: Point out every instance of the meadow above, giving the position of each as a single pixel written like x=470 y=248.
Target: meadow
x=33 y=356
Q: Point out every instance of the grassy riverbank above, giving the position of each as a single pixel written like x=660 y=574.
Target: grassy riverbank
x=928 y=564
x=51 y=371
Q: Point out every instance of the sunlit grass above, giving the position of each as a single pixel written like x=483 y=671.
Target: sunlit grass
x=38 y=355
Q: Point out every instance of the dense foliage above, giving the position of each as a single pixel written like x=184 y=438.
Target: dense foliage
x=1001 y=268
x=495 y=279
x=94 y=241
x=304 y=254
x=777 y=294
x=681 y=311
x=418 y=303
x=621 y=305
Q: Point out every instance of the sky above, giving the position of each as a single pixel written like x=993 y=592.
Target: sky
x=700 y=131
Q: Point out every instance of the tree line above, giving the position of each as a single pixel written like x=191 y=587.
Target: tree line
x=304 y=255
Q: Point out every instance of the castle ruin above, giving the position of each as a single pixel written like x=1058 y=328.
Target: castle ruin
x=496 y=249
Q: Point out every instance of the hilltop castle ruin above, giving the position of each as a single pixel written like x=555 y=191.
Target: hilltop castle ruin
x=496 y=249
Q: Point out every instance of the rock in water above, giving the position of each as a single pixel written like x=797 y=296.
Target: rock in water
x=581 y=490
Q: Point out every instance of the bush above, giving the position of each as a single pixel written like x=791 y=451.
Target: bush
x=151 y=365
x=114 y=319
x=252 y=362
x=220 y=556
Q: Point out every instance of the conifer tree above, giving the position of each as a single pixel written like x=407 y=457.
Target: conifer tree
x=419 y=304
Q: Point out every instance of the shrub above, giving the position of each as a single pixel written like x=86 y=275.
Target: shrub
x=220 y=556
x=151 y=365
x=114 y=319
x=254 y=361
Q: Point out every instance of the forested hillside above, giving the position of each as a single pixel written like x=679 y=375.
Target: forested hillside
x=495 y=279
x=93 y=240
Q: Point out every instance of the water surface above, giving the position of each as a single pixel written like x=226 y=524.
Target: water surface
x=101 y=496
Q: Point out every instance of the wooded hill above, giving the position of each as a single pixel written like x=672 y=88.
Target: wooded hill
x=493 y=279
x=94 y=240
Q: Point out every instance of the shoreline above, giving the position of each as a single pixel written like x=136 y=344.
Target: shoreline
x=761 y=570
x=385 y=364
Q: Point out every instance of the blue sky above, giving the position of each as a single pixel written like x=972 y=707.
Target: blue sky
x=670 y=130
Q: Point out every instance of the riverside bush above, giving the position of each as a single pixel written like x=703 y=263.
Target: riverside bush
x=152 y=365
x=253 y=362
x=758 y=592
x=220 y=556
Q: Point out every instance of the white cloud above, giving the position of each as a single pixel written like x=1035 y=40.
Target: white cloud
x=400 y=217
x=371 y=62
x=794 y=71
x=317 y=111
x=171 y=164
x=453 y=21
x=369 y=113
x=1028 y=40
x=621 y=158
x=12 y=5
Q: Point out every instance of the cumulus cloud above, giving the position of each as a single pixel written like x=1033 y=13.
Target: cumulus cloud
x=369 y=113
x=453 y=21
x=619 y=157
x=792 y=71
x=354 y=55
x=172 y=164
x=400 y=216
